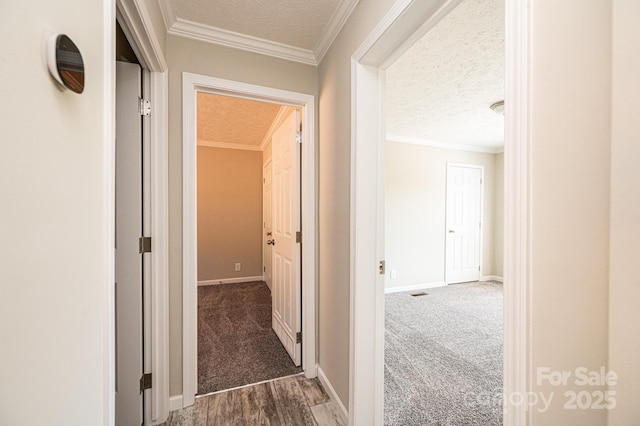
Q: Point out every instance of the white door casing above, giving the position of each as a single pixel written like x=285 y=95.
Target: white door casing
x=128 y=271
x=463 y=223
x=286 y=222
x=267 y=227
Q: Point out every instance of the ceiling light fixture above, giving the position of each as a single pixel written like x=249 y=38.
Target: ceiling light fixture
x=498 y=107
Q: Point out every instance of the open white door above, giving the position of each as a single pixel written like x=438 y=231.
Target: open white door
x=285 y=292
x=267 y=226
x=129 y=332
x=463 y=223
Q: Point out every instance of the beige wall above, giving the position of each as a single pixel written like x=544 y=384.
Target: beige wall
x=184 y=55
x=53 y=221
x=415 y=203
x=570 y=165
x=624 y=293
x=229 y=213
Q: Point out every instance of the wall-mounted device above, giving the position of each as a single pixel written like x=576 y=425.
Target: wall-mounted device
x=65 y=62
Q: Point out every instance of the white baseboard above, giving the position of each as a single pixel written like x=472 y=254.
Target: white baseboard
x=388 y=290
x=333 y=395
x=492 y=278
x=231 y=280
x=175 y=403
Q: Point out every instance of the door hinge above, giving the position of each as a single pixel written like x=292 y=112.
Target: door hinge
x=299 y=137
x=145 y=244
x=299 y=337
x=145 y=382
x=298 y=237
x=264 y=269
x=381 y=267
x=144 y=107
x=478 y=268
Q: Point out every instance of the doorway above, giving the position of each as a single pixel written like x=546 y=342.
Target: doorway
x=192 y=86
x=247 y=321
x=393 y=35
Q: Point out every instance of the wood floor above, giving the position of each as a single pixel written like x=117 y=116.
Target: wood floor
x=287 y=402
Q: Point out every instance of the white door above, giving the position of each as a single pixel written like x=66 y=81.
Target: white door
x=463 y=223
x=286 y=320
x=129 y=336
x=267 y=227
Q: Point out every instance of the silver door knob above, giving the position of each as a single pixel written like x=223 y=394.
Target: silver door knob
x=271 y=242
x=451 y=231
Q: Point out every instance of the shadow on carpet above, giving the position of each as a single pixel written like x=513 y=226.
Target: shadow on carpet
x=443 y=356
x=236 y=345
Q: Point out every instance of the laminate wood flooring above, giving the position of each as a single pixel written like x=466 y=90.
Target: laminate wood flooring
x=290 y=401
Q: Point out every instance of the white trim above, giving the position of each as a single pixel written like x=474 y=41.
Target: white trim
x=191 y=84
x=160 y=245
x=518 y=364
x=492 y=278
x=326 y=384
x=445 y=145
x=414 y=287
x=197 y=31
x=109 y=212
x=175 y=403
x=333 y=28
x=243 y=280
x=201 y=32
x=137 y=26
x=228 y=145
x=283 y=113
x=392 y=33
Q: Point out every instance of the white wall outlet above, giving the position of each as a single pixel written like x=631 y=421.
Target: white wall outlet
x=393 y=274
x=238 y=265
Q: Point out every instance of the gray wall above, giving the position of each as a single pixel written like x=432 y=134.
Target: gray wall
x=55 y=281
x=184 y=55
x=415 y=204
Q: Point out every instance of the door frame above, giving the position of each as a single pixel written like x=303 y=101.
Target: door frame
x=406 y=22
x=446 y=240
x=136 y=23
x=268 y=163
x=191 y=84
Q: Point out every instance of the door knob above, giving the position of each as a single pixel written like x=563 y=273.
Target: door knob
x=271 y=242
x=451 y=231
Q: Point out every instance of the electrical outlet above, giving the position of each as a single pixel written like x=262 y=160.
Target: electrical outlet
x=238 y=265
x=393 y=274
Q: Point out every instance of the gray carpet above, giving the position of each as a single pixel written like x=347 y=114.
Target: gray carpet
x=236 y=345
x=443 y=356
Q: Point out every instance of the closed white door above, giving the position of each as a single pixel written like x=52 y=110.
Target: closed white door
x=463 y=223
x=267 y=227
x=128 y=260
x=286 y=320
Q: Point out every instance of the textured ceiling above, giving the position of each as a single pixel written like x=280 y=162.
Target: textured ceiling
x=440 y=90
x=296 y=23
x=223 y=120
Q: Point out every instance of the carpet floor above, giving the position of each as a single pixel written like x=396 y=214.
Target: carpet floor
x=443 y=356
x=236 y=345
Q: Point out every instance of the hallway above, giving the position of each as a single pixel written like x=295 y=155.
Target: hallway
x=293 y=400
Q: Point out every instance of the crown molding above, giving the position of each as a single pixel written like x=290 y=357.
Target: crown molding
x=333 y=28
x=446 y=145
x=283 y=113
x=206 y=33
x=228 y=145
x=196 y=31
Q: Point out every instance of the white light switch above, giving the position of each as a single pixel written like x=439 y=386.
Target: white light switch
x=237 y=267
x=393 y=274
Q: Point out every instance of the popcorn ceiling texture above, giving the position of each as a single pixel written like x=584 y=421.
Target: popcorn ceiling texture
x=233 y=120
x=295 y=23
x=442 y=87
